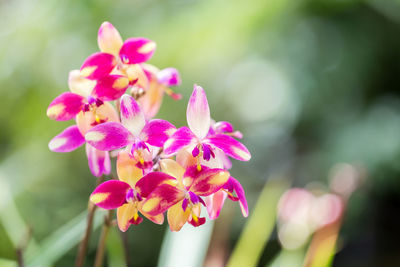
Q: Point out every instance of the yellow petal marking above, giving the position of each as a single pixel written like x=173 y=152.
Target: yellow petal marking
x=120 y=83
x=150 y=204
x=241 y=153
x=57 y=142
x=146 y=48
x=219 y=178
x=55 y=110
x=87 y=71
x=99 y=197
x=94 y=136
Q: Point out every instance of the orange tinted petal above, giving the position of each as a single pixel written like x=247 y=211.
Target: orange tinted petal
x=124 y=214
x=86 y=120
x=177 y=217
x=172 y=168
x=127 y=170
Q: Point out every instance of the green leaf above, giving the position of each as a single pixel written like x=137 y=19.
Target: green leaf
x=7 y=249
x=62 y=240
x=259 y=227
x=115 y=248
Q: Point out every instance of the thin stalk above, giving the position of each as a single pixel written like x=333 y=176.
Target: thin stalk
x=103 y=238
x=80 y=257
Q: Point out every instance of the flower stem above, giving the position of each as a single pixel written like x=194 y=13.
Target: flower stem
x=103 y=238
x=80 y=258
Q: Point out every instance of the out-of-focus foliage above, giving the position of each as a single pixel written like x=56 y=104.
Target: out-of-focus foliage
x=310 y=83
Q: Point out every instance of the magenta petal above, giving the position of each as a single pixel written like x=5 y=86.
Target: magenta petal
x=110 y=87
x=156 y=132
x=68 y=140
x=110 y=194
x=169 y=77
x=137 y=50
x=162 y=198
x=150 y=181
x=198 y=113
x=229 y=146
x=99 y=161
x=131 y=115
x=206 y=181
x=181 y=138
x=65 y=106
x=223 y=127
x=196 y=223
x=109 y=136
x=234 y=185
x=98 y=65
x=185 y=203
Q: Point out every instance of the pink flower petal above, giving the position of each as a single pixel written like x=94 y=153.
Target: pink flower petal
x=151 y=101
x=151 y=181
x=137 y=77
x=233 y=185
x=183 y=137
x=109 y=136
x=80 y=85
x=99 y=161
x=214 y=204
x=98 y=65
x=137 y=50
x=162 y=198
x=65 y=106
x=68 y=140
x=131 y=115
x=110 y=194
x=109 y=39
x=169 y=77
x=158 y=219
x=156 y=132
x=206 y=181
x=198 y=113
x=229 y=146
x=110 y=87
x=198 y=221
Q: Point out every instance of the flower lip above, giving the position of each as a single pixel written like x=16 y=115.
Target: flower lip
x=130 y=195
x=133 y=196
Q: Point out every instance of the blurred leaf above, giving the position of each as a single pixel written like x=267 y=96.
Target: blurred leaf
x=7 y=249
x=259 y=227
x=115 y=248
x=62 y=240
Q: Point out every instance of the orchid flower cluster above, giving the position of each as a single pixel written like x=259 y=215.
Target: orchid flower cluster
x=114 y=98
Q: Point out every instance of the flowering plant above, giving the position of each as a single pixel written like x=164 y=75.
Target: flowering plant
x=114 y=98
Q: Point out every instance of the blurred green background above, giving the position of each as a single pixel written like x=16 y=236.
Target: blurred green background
x=310 y=83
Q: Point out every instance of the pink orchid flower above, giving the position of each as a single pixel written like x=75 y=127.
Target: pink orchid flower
x=182 y=195
x=160 y=83
x=86 y=101
x=197 y=137
x=128 y=194
x=135 y=133
x=72 y=137
x=232 y=189
x=119 y=57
